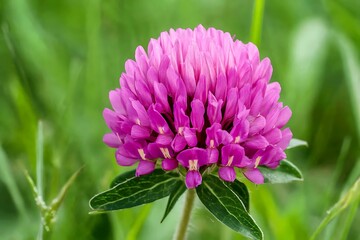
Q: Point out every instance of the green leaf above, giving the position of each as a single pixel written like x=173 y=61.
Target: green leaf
x=122 y=178
x=297 y=143
x=174 y=196
x=241 y=191
x=135 y=191
x=284 y=173
x=227 y=207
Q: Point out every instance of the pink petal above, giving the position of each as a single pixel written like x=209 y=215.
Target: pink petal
x=240 y=131
x=231 y=103
x=112 y=140
x=223 y=137
x=273 y=136
x=263 y=70
x=165 y=139
x=190 y=137
x=284 y=116
x=144 y=167
x=232 y=152
x=256 y=142
x=227 y=174
x=213 y=155
x=141 y=113
x=221 y=87
x=257 y=125
x=193 y=179
x=189 y=78
x=111 y=119
x=286 y=137
x=254 y=175
x=143 y=91
x=201 y=90
x=211 y=136
x=161 y=96
x=139 y=132
x=152 y=78
x=180 y=118
x=197 y=114
x=123 y=160
x=214 y=109
x=178 y=143
x=158 y=123
x=154 y=150
x=116 y=102
x=198 y=154
x=169 y=164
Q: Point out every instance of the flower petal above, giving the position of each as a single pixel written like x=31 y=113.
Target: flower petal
x=139 y=132
x=284 y=116
x=178 y=143
x=285 y=140
x=213 y=155
x=201 y=90
x=144 y=167
x=161 y=96
x=211 y=136
x=112 y=140
x=158 y=123
x=169 y=164
x=256 y=142
x=198 y=154
x=232 y=155
x=256 y=125
x=190 y=137
x=254 y=175
x=124 y=160
x=193 y=179
x=214 y=109
x=273 y=136
x=197 y=114
x=240 y=131
x=227 y=174
x=164 y=139
x=231 y=103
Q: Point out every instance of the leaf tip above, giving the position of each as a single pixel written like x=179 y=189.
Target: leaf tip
x=97 y=212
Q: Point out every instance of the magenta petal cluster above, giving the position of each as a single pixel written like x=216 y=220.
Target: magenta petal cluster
x=198 y=98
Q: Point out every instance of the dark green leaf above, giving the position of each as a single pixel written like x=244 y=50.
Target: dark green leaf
x=297 y=143
x=227 y=207
x=179 y=189
x=136 y=191
x=284 y=173
x=241 y=191
x=123 y=177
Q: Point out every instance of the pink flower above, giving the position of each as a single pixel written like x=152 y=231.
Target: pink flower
x=198 y=98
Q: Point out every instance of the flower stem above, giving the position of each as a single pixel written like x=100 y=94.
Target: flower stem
x=189 y=202
x=257 y=18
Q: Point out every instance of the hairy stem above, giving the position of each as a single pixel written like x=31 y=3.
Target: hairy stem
x=182 y=228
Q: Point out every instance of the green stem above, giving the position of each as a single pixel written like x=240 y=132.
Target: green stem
x=189 y=203
x=257 y=19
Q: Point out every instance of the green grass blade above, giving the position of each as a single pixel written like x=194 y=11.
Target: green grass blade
x=351 y=67
x=257 y=19
x=40 y=159
x=352 y=195
x=349 y=219
x=8 y=178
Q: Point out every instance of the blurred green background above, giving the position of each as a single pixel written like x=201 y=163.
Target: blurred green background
x=59 y=59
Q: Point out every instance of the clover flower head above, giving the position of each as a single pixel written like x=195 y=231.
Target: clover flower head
x=198 y=98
